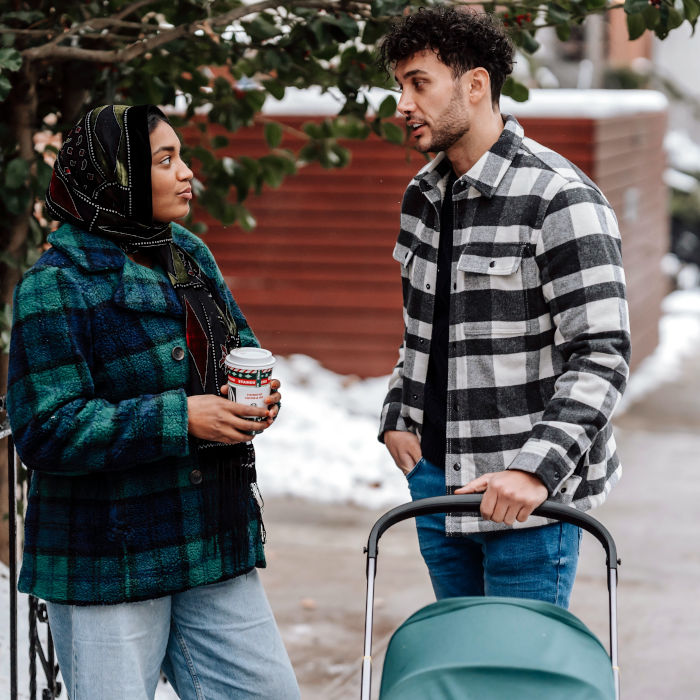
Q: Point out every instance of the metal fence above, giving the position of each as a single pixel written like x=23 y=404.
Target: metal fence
x=37 y=609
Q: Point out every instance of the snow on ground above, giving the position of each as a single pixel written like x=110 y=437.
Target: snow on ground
x=679 y=337
x=324 y=445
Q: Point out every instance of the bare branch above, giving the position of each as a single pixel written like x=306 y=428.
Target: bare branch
x=123 y=55
x=52 y=50
x=133 y=7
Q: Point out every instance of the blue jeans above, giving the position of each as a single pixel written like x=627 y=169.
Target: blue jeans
x=538 y=562
x=217 y=642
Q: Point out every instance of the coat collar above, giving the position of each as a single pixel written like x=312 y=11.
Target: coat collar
x=485 y=175
x=138 y=288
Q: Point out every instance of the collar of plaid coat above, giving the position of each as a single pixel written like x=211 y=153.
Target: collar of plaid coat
x=486 y=174
x=94 y=253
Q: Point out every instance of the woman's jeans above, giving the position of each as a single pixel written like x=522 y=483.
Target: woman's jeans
x=538 y=562
x=218 y=642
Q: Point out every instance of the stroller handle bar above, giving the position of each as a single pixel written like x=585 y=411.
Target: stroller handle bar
x=470 y=503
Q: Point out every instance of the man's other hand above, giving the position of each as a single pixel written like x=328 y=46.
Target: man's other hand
x=508 y=495
x=404 y=447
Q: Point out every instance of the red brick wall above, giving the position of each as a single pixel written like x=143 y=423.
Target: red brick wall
x=316 y=276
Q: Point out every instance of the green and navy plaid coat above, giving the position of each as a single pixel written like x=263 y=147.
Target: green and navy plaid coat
x=98 y=363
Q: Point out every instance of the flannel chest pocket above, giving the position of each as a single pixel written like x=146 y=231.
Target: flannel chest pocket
x=491 y=292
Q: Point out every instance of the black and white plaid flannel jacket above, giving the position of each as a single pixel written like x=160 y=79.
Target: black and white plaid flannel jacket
x=539 y=338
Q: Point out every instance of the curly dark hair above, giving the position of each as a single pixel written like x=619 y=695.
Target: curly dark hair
x=463 y=39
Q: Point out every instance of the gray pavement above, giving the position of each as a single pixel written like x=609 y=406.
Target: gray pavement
x=316 y=578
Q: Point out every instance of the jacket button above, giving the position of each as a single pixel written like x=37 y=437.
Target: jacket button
x=492 y=263
x=456 y=467
x=427 y=286
x=178 y=353
x=195 y=477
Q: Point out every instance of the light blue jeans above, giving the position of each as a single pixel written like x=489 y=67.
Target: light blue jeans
x=218 y=642
x=538 y=562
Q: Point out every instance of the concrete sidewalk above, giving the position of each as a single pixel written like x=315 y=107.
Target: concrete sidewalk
x=316 y=574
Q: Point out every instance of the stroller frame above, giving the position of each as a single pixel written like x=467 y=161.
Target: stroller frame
x=471 y=504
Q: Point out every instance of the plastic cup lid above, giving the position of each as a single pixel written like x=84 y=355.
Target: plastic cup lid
x=250 y=357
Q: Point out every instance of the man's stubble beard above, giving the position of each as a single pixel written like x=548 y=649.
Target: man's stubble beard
x=451 y=126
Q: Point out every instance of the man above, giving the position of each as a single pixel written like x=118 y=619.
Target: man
x=516 y=341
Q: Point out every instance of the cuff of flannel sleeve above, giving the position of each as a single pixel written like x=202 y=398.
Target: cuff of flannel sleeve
x=391 y=420
x=550 y=469
x=174 y=434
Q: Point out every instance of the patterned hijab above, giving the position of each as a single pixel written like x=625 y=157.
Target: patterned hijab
x=101 y=182
x=102 y=177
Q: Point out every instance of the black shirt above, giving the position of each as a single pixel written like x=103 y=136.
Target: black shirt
x=434 y=436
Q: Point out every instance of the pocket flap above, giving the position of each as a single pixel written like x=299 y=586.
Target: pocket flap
x=503 y=259
x=402 y=254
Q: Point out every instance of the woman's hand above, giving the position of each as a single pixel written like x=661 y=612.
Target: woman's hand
x=220 y=420
x=274 y=399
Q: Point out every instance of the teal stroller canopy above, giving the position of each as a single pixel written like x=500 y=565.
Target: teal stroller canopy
x=495 y=649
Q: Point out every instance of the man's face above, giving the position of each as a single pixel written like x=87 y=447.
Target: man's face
x=434 y=103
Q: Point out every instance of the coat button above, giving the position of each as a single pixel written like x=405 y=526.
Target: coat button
x=456 y=467
x=178 y=353
x=195 y=477
x=427 y=286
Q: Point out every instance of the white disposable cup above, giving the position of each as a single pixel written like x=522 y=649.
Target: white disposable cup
x=249 y=372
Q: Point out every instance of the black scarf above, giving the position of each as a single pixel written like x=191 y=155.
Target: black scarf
x=101 y=182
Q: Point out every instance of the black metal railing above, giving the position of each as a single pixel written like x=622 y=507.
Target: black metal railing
x=37 y=609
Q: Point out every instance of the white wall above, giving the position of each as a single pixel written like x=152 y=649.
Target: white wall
x=678 y=58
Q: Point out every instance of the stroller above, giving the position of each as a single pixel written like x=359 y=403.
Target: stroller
x=490 y=648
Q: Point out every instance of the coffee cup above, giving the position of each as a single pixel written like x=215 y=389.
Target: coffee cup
x=249 y=372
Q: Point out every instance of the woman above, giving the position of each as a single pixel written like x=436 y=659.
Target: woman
x=143 y=531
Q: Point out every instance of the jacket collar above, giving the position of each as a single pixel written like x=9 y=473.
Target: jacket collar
x=88 y=251
x=138 y=288
x=485 y=175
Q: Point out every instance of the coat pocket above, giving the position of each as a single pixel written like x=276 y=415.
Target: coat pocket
x=492 y=293
x=402 y=254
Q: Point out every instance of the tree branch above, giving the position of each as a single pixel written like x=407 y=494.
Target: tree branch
x=133 y=7
x=52 y=50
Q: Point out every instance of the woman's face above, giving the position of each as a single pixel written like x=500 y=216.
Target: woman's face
x=170 y=177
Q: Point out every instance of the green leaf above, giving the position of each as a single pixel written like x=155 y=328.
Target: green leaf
x=275 y=88
x=556 y=14
x=16 y=173
x=273 y=134
x=373 y=31
x=219 y=141
x=635 y=6
x=392 y=133
x=5 y=87
x=515 y=90
x=526 y=41
x=10 y=59
x=675 y=18
x=636 y=25
x=244 y=217
x=692 y=9
x=387 y=108
x=563 y=32
x=651 y=16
